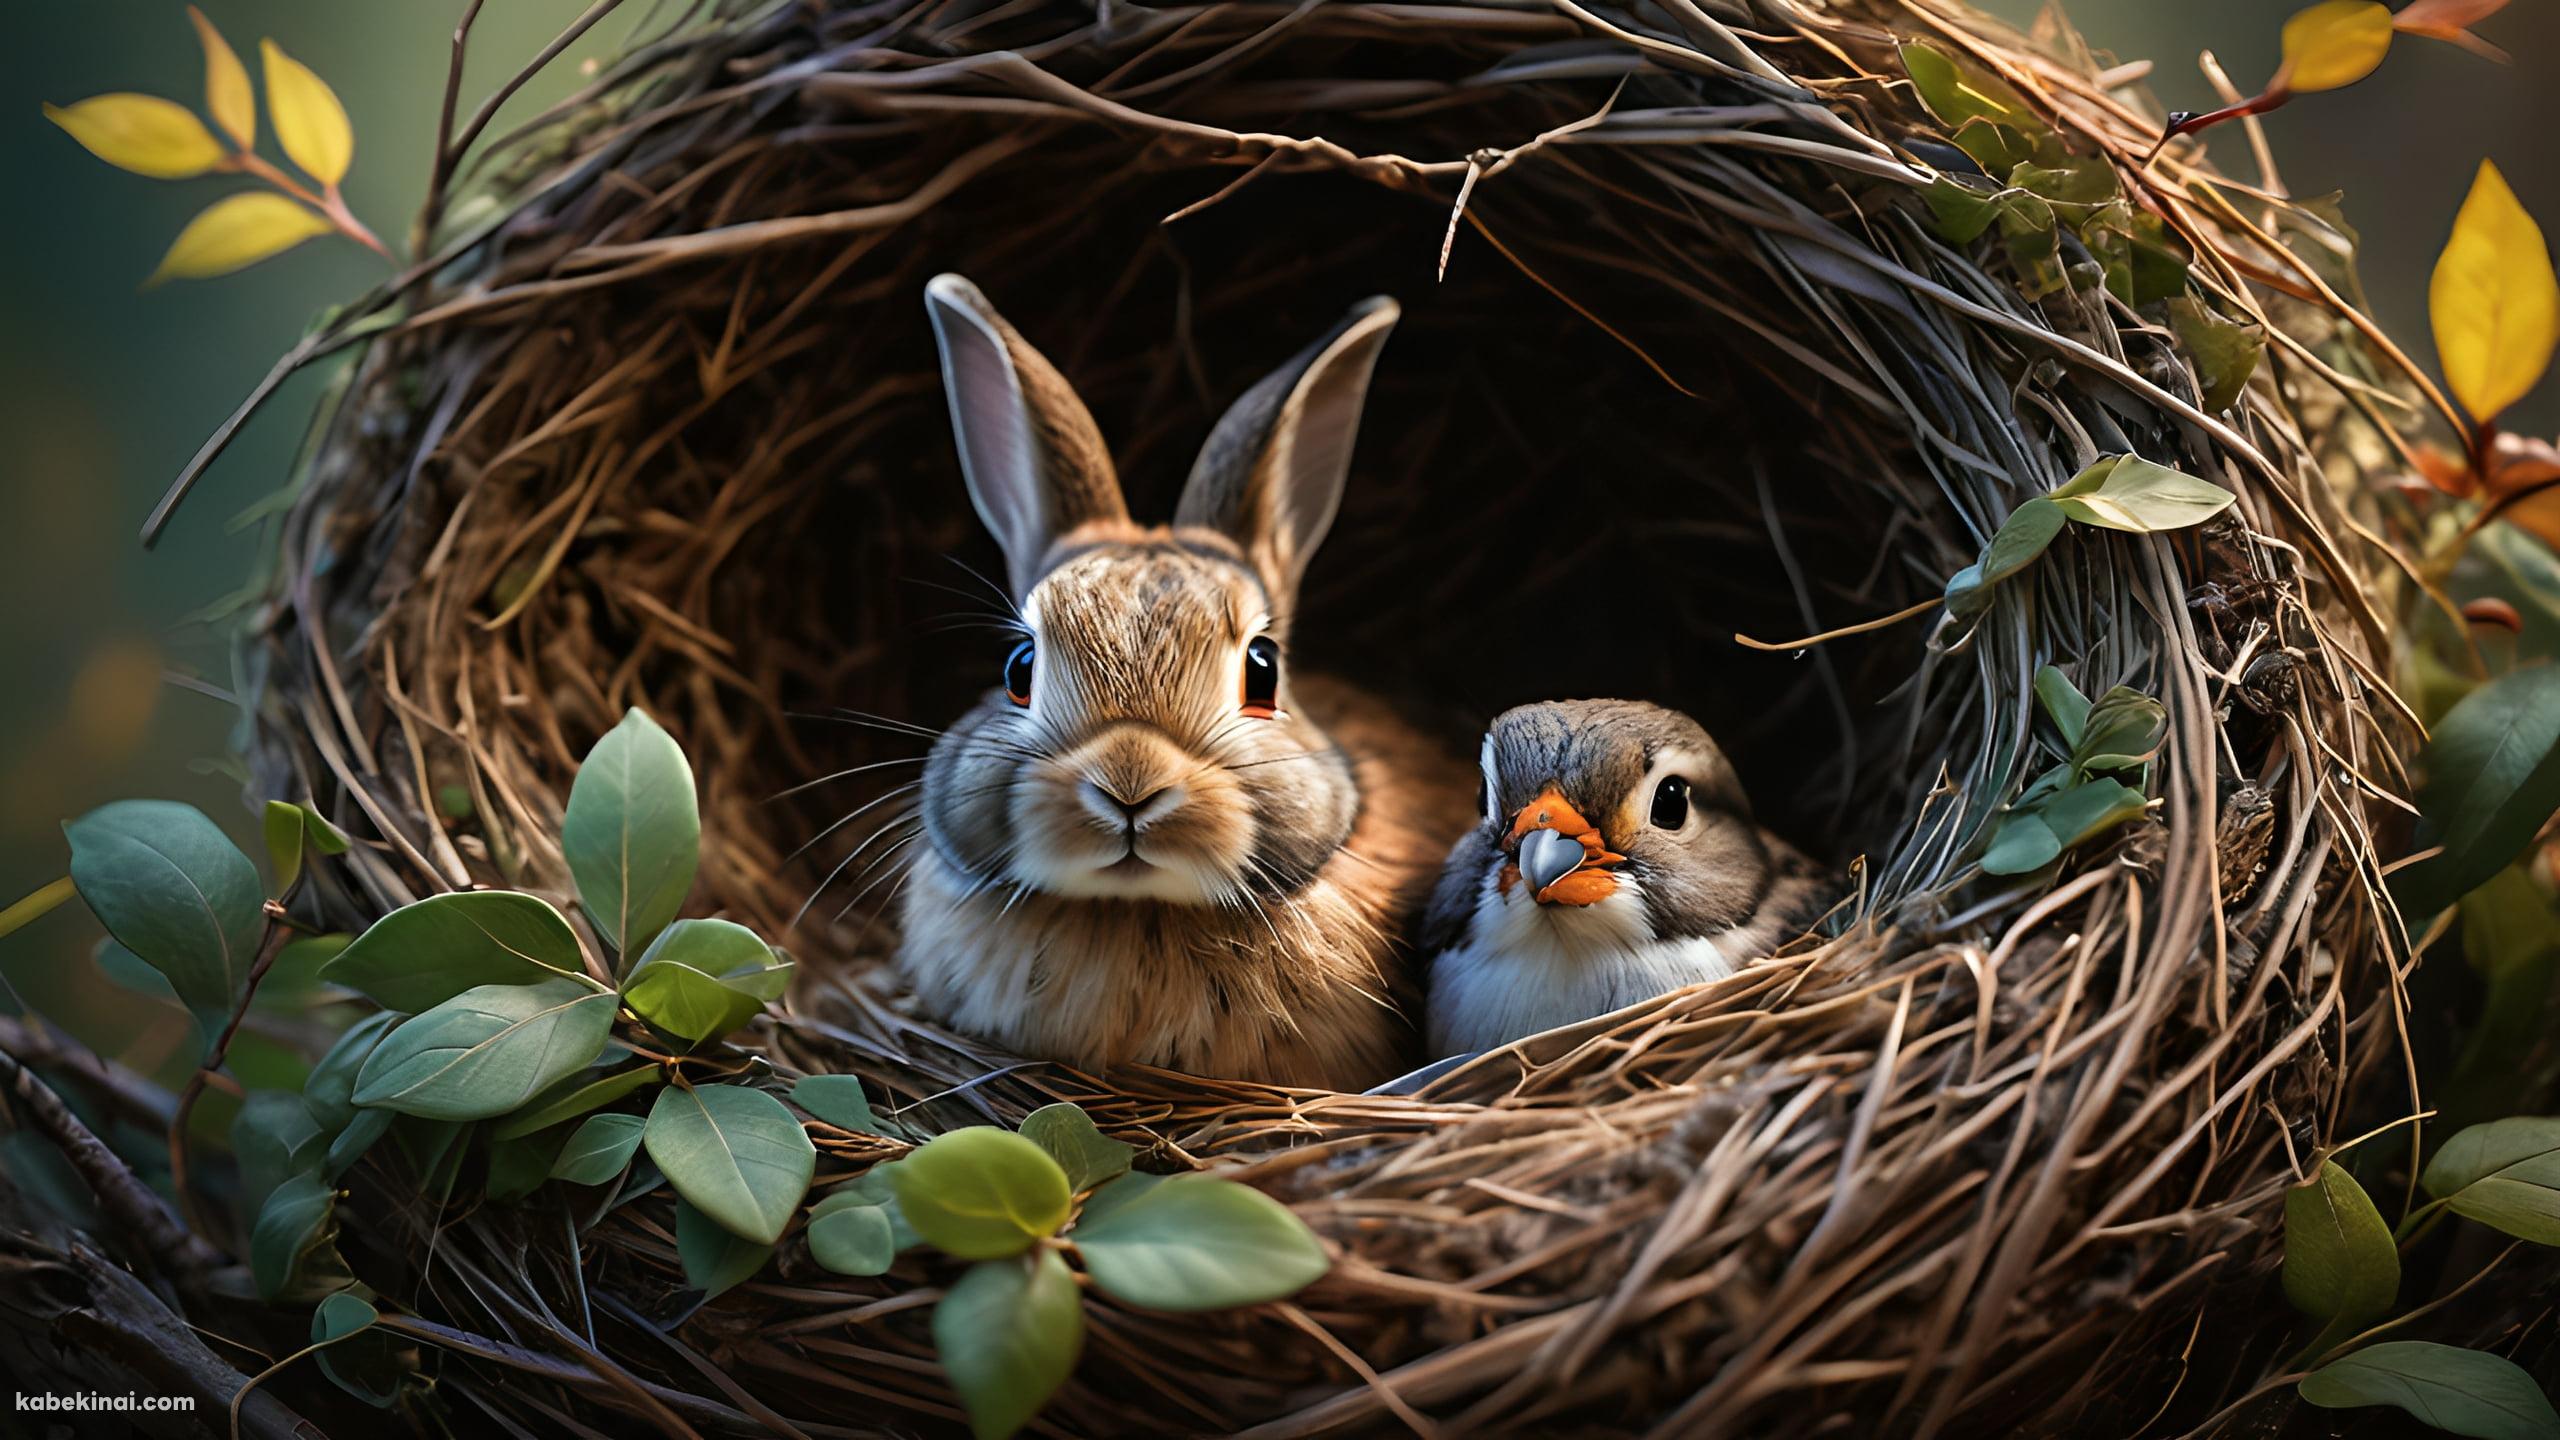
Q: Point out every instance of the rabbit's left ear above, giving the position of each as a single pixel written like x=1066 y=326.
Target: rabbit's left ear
x=1271 y=475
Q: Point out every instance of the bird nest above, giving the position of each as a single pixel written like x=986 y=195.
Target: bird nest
x=1688 y=352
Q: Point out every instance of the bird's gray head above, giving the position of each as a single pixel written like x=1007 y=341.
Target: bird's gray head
x=1623 y=812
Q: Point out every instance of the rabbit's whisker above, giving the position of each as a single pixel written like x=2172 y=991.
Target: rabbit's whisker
x=841 y=774
x=852 y=815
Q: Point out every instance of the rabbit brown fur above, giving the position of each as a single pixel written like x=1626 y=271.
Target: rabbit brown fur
x=1133 y=861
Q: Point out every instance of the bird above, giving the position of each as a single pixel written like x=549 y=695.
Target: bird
x=1616 y=859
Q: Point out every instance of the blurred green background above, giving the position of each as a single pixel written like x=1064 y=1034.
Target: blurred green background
x=106 y=388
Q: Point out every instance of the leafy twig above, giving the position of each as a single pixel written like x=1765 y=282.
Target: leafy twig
x=277 y=933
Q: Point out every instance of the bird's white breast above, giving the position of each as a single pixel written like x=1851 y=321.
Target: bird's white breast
x=1526 y=967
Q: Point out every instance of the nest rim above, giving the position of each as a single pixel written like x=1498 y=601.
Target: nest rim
x=1702 y=1072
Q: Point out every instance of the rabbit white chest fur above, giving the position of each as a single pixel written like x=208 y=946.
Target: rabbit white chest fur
x=1154 y=844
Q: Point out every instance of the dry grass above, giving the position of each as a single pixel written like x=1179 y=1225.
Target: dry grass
x=661 y=427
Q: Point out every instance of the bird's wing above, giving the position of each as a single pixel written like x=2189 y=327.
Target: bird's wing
x=1453 y=900
x=1799 y=890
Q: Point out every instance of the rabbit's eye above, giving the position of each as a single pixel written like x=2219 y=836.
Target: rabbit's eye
x=1671 y=803
x=1262 y=677
x=1017 y=674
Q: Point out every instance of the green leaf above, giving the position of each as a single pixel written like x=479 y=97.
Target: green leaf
x=2490 y=777
x=293 y=982
x=274 y=1138
x=1957 y=94
x=2063 y=701
x=1009 y=1333
x=632 y=832
x=839 y=1101
x=1087 y=1155
x=131 y=971
x=877 y=1186
x=852 y=1234
x=2020 y=843
x=571 y=1098
x=2089 y=809
x=735 y=1153
x=1197 y=1242
x=600 y=1150
x=714 y=1259
x=702 y=979
x=1116 y=1194
x=425 y=953
x=172 y=889
x=366 y=1128
x=2340 y=1263
x=2504 y=1174
x=2020 y=539
x=2080 y=182
x=290 y=1247
x=2127 y=492
x=2225 y=354
x=487 y=1050
x=518 y=1167
x=982 y=1193
x=340 y=1316
x=359 y=1363
x=2123 y=732
x=284 y=842
x=324 y=837
x=2458 y=1391
x=1959 y=212
x=331 y=1090
x=2141 y=262
x=2511 y=939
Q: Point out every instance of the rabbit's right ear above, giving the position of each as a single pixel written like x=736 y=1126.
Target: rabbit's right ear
x=1034 y=459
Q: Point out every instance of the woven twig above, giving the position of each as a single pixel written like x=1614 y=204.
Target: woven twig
x=660 y=426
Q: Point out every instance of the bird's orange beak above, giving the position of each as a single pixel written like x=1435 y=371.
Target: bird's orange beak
x=1587 y=882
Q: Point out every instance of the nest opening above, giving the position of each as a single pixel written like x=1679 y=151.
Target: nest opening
x=1537 y=508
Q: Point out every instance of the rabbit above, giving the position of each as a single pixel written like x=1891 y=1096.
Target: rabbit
x=1155 y=842
x=1544 y=917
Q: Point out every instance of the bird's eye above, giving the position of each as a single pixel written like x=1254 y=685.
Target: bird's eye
x=1262 y=677
x=1017 y=674
x=1671 y=803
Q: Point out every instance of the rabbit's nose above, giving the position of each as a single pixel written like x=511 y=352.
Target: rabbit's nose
x=1115 y=805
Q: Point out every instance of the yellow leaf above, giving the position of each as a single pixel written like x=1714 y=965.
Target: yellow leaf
x=226 y=84
x=236 y=232
x=2494 y=300
x=2334 y=44
x=310 y=123
x=141 y=133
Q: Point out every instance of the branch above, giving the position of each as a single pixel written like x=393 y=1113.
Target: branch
x=127 y=1203
x=277 y=933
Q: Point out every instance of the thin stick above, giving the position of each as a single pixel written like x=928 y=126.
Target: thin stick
x=35 y=906
x=269 y=947
x=1861 y=628
x=442 y=173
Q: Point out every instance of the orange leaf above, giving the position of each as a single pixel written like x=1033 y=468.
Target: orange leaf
x=2451 y=21
x=2444 y=470
x=2333 y=44
x=2518 y=464
x=2490 y=610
